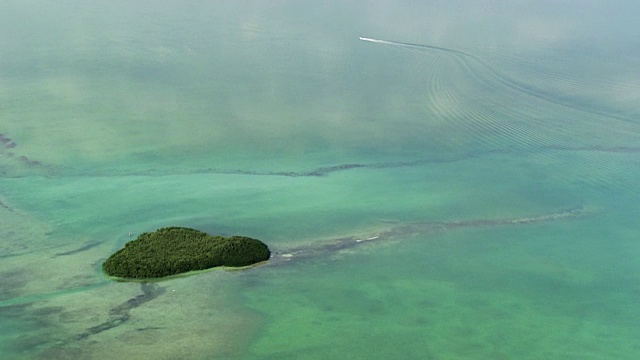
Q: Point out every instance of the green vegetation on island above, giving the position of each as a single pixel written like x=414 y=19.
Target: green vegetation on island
x=176 y=250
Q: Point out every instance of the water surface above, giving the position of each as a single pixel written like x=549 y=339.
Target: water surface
x=466 y=190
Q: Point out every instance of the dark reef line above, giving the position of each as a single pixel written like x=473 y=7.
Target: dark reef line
x=5 y=206
x=121 y=313
x=7 y=143
x=401 y=230
x=78 y=250
x=327 y=170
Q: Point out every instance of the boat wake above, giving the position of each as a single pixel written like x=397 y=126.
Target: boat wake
x=513 y=84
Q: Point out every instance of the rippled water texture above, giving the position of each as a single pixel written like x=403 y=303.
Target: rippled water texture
x=436 y=181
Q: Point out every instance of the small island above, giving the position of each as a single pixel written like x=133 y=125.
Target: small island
x=176 y=250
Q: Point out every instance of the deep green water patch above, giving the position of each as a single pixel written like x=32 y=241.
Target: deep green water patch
x=176 y=250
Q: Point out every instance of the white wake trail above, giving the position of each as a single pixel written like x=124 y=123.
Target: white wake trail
x=375 y=40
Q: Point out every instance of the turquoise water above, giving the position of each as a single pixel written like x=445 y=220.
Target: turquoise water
x=466 y=189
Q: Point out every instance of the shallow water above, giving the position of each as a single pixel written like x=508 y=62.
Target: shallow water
x=467 y=190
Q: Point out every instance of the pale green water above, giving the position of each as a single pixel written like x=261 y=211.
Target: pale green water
x=275 y=121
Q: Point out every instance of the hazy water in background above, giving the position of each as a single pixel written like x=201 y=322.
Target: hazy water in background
x=275 y=121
